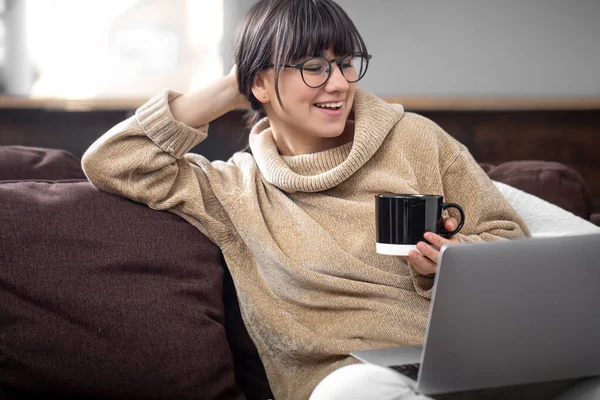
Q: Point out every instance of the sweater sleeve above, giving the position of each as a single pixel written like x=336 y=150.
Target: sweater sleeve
x=144 y=159
x=489 y=216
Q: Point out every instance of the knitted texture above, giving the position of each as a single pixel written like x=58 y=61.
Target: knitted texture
x=298 y=233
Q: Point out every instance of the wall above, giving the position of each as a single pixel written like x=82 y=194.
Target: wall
x=474 y=47
x=481 y=47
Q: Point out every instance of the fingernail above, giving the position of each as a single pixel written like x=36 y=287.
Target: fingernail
x=421 y=246
x=412 y=255
x=428 y=235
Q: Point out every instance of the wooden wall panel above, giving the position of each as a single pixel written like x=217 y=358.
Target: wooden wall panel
x=571 y=137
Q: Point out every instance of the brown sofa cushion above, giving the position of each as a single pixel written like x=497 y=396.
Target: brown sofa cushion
x=551 y=181
x=22 y=162
x=102 y=297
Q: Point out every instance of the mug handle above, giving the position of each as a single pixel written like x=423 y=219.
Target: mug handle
x=445 y=206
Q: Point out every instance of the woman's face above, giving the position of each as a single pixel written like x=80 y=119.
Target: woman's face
x=308 y=117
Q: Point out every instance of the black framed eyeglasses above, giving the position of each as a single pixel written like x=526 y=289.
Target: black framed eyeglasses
x=316 y=71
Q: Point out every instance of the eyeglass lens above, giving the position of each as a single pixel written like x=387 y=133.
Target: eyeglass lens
x=316 y=70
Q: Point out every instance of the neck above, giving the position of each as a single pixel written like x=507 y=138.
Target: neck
x=306 y=144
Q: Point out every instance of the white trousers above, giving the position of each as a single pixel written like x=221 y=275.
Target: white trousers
x=365 y=381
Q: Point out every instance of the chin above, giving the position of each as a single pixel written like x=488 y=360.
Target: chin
x=331 y=130
x=330 y=133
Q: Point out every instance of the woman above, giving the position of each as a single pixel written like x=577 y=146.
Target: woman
x=295 y=217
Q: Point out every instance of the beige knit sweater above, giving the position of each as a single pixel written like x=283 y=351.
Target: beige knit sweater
x=298 y=233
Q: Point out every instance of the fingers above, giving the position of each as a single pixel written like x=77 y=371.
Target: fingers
x=435 y=240
x=425 y=262
x=421 y=263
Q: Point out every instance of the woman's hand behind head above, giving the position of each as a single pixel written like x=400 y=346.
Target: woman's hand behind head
x=241 y=101
x=210 y=102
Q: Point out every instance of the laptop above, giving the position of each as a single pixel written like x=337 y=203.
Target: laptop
x=506 y=313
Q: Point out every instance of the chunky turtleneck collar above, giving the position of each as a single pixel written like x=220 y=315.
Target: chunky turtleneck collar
x=374 y=118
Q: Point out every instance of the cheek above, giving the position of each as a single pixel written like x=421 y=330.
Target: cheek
x=351 y=94
x=295 y=95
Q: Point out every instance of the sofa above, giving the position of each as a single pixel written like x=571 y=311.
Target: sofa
x=101 y=297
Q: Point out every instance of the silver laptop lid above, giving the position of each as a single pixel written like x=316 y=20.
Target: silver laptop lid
x=513 y=312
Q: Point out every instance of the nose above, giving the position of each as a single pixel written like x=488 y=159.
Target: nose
x=336 y=82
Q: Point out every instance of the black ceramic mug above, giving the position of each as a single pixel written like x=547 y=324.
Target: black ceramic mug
x=403 y=219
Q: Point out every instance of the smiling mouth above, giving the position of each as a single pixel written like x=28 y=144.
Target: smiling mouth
x=330 y=106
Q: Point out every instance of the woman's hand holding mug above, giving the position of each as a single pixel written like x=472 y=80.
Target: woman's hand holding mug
x=412 y=226
x=425 y=260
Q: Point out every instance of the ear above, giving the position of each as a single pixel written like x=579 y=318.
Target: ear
x=260 y=88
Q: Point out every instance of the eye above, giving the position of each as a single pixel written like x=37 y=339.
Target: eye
x=346 y=63
x=314 y=68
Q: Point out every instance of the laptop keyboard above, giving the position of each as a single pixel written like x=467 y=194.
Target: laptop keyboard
x=410 y=370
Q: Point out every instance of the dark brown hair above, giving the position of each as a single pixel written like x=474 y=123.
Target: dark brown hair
x=287 y=31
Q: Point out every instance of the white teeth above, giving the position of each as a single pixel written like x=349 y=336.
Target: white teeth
x=330 y=105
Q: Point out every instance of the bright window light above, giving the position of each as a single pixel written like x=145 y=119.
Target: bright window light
x=123 y=48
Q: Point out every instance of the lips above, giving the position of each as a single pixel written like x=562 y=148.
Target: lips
x=331 y=112
x=331 y=108
x=330 y=105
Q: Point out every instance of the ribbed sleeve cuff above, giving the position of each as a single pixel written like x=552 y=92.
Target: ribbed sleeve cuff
x=423 y=283
x=172 y=136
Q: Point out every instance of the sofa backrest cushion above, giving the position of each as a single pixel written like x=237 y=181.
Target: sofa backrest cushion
x=103 y=297
x=554 y=182
x=23 y=162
